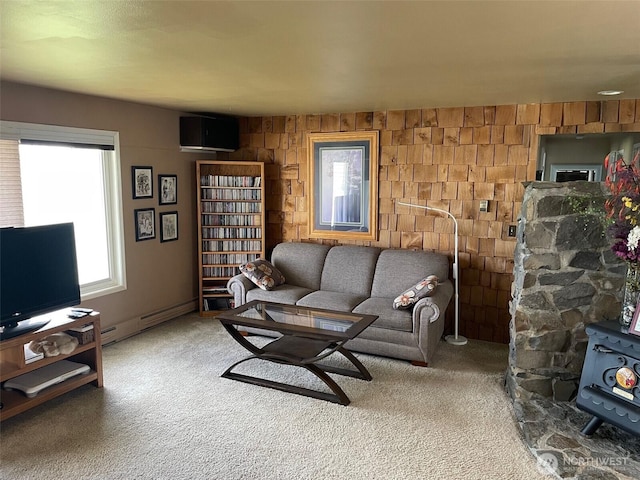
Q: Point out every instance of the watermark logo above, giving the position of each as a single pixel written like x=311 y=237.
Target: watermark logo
x=554 y=462
x=598 y=461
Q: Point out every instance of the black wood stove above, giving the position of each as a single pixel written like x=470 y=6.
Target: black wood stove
x=609 y=387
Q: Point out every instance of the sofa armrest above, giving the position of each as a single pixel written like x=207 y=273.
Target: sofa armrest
x=428 y=319
x=432 y=308
x=238 y=287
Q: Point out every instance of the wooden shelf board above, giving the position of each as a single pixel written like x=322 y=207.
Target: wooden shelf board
x=7 y=374
x=15 y=402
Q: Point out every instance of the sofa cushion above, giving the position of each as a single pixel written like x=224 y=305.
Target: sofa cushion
x=409 y=297
x=388 y=318
x=262 y=273
x=342 y=302
x=349 y=269
x=397 y=270
x=286 y=293
x=300 y=263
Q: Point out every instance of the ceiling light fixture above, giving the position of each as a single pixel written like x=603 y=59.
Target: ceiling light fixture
x=609 y=93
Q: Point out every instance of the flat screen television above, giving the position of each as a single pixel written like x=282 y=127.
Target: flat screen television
x=38 y=275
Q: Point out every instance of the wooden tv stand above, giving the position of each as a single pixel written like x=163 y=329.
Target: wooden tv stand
x=12 y=362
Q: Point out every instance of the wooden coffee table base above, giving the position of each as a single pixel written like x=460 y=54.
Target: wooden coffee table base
x=300 y=352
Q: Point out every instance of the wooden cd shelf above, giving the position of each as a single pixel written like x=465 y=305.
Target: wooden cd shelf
x=231 y=223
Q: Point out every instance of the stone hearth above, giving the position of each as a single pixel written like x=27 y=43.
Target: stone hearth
x=565 y=277
x=551 y=430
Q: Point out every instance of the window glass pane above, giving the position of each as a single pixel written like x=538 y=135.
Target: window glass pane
x=66 y=184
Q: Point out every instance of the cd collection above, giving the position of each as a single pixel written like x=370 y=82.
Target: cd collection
x=229 y=181
x=231 y=231
x=231 y=220
x=219 y=271
x=230 y=194
x=231 y=207
x=231 y=245
x=228 y=258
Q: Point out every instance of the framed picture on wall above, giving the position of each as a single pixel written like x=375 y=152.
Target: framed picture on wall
x=145 y=223
x=168 y=185
x=634 y=328
x=343 y=185
x=142 y=182
x=168 y=226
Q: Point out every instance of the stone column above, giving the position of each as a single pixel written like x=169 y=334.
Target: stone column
x=565 y=277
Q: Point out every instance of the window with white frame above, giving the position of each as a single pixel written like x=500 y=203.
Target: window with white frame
x=571 y=172
x=51 y=174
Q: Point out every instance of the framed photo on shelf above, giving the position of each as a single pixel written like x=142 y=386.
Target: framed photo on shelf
x=168 y=226
x=145 y=223
x=634 y=328
x=142 y=182
x=168 y=185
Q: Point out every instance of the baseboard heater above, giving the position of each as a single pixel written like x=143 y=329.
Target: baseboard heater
x=133 y=326
x=151 y=319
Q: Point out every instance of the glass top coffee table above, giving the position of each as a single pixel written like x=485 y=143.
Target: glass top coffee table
x=307 y=336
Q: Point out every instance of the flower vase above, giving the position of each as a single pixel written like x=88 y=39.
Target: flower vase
x=631 y=291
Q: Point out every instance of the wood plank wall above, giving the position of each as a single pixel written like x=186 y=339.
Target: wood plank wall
x=450 y=158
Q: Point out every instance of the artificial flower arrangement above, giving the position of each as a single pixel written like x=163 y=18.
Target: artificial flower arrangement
x=623 y=212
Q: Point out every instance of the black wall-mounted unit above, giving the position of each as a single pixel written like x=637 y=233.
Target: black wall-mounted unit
x=212 y=133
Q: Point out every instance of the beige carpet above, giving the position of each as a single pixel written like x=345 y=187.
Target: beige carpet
x=165 y=413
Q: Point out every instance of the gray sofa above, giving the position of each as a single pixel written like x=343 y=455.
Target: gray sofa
x=362 y=280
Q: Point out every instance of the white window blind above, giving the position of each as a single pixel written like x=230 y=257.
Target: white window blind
x=11 y=209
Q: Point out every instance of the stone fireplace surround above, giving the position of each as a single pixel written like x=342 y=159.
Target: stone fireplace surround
x=565 y=277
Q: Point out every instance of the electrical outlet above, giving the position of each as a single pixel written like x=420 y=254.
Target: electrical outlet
x=512 y=231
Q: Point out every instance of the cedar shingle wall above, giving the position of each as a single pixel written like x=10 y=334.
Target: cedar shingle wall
x=450 y=158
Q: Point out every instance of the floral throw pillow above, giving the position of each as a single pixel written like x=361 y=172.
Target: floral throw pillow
x=423 y=288
x=262 y=273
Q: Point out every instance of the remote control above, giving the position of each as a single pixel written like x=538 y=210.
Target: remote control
x=82 y=310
